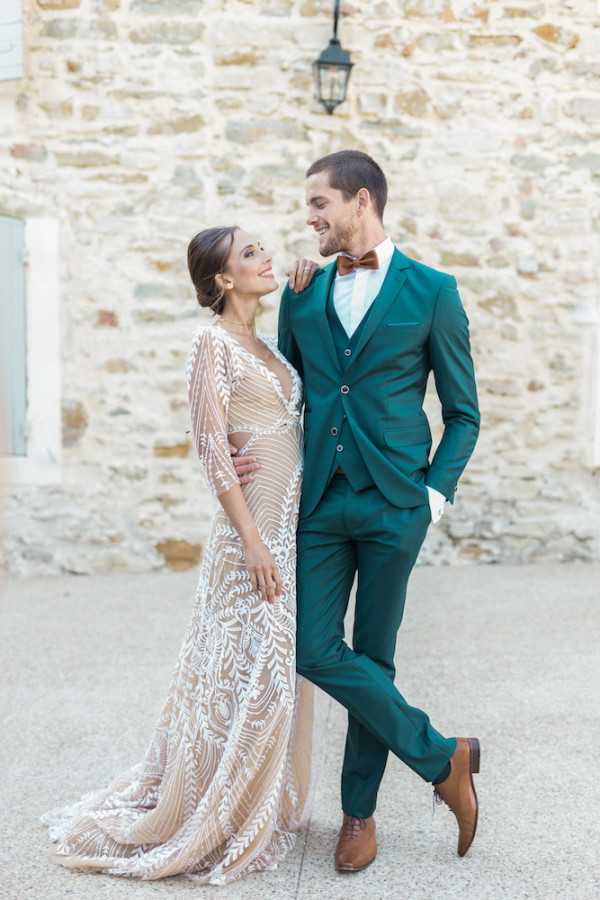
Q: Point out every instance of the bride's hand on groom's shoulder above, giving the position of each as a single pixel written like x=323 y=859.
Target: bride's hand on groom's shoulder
x=301 y=273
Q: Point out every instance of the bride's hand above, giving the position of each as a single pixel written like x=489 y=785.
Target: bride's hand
x=244 y=465
x=263 y=570
x=301 y=274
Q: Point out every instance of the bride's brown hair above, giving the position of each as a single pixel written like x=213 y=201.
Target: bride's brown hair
x=207 y=255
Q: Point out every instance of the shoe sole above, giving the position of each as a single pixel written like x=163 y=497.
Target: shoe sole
x=474 y=765
x=346 y=870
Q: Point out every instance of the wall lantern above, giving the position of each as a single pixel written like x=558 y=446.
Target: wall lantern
x=332 y=70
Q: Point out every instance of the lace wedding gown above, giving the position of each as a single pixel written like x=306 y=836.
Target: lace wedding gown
x=225 y=783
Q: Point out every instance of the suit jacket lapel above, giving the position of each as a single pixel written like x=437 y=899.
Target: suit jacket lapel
x=321 y=321
x=391 y=287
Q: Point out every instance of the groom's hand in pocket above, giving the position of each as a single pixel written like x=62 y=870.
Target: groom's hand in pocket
x=245 y=466
x=301 y=274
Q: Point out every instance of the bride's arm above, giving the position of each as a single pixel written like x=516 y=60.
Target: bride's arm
x=209 y=388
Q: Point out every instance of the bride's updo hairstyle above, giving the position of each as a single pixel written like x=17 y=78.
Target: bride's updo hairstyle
x=207 y=256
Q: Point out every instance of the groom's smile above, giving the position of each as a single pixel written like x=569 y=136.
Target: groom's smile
x=332 y=215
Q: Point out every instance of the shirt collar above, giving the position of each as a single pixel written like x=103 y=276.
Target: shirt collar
x=384 y=251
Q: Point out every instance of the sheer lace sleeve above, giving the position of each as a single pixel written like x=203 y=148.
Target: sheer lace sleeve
x=209 y=378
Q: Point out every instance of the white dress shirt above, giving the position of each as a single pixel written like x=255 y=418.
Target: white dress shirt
x=353 y=294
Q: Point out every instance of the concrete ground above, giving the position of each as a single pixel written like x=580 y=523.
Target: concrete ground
x=509 y=654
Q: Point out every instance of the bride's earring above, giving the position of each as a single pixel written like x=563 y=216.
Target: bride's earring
x=225 y=283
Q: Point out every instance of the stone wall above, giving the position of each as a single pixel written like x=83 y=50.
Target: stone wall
x=141 y=121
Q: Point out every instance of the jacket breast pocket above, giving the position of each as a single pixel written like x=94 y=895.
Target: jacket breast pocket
x=403 y=337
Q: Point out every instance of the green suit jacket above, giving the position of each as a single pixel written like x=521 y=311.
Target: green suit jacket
x=417 y=324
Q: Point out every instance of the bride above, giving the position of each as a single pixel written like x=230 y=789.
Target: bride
x=225 y=783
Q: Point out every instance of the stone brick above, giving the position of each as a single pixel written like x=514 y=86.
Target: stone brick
x=74 y=422
x=179 y=554
x=57 y=109
x=106 y=318
x=180 y=125
x=482 y=13
x=385 y=41
x=261 y=193
x=414 y=103
x=169 y=7
x=181 y=449
x=449 y=258
x=162 y=265
x=587 y=161
x=586 y=108
x=502 y=305
x=30 y=152
x=59 y=29
x=150 y=290
x=117 y=365
x=495 y=40
x=152 y=315
x=59 y=4
x=128 y=471
x=312 y=8
x=85 y=159
x=99 y=29
x=554 y=34
x=548 y=32
x=168 y=33
x=237 y=58
x=252 y=131
x=523 y=12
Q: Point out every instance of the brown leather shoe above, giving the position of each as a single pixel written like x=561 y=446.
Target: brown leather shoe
x=457 y=791
x=356 y=848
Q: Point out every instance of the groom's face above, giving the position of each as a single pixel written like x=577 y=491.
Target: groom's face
x=333 y=218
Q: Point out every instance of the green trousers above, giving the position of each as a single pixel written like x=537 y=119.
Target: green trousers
x=361 y=531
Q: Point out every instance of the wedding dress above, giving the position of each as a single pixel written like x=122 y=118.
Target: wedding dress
x=225 y=783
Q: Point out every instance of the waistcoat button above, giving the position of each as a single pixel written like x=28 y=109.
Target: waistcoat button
x=348 y=351
x=333 y=430
x=345 y=389
x=339 y=448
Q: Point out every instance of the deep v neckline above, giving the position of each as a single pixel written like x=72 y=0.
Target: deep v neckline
x=273 y=377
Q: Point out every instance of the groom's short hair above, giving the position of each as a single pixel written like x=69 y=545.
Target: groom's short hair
x=351 y=170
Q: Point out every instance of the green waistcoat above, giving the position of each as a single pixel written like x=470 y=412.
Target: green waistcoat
x=349 y=456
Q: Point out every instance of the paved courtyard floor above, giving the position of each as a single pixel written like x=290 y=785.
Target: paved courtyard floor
x=508 y=654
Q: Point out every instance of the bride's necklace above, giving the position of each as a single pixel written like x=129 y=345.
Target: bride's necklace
x=243 y=325
x=245 y=331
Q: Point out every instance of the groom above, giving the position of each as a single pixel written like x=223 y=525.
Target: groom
x=364 y=336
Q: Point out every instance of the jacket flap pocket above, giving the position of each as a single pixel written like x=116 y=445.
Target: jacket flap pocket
x=407 y=434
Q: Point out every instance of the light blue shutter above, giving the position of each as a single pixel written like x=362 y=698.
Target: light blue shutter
x=11 y=39
x=13 y=375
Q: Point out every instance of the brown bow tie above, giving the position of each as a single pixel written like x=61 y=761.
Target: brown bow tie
x=345 y=264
